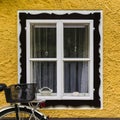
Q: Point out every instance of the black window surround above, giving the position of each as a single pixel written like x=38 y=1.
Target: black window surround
x=96 y=16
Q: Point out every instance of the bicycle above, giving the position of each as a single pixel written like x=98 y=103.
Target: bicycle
x=18 y=95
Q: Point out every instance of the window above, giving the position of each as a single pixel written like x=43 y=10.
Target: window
x=60 y=52
x=60 y=58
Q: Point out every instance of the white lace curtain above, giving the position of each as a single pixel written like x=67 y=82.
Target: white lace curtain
x=76 y=73
x=75 y=46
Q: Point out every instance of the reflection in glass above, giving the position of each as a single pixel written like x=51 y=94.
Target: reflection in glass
x=43 y=42
x=75 y=41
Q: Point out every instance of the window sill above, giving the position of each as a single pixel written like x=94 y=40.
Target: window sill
x=82 y=96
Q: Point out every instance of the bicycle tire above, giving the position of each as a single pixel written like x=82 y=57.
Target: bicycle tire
x=25 y=113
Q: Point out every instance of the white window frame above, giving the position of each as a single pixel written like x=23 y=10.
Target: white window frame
x=59 y=59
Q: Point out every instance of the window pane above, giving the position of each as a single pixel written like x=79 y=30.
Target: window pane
x=76 y=77
x=75 y=41
x=44 y=74
x=43 y=42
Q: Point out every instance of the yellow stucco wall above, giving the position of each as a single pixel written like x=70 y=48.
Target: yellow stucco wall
x=111 y=49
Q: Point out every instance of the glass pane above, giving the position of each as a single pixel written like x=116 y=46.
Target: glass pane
x=75 y=41
x=43 y=42
x=76 y=77
x=44 y=74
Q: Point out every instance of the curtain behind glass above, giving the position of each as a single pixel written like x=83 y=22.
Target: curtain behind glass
x=75 y=43
x=44 y=46
x=76 y=77
x=76 y=46
x=44 y=43
x=44 y=73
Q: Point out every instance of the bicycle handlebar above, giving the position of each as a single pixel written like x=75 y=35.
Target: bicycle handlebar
x=2 y=86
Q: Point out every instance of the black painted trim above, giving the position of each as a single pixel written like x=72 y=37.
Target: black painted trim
x=96 y=16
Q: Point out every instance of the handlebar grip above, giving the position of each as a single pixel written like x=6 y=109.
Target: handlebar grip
x=2 y=86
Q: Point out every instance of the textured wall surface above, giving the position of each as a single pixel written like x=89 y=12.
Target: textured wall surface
x=111 y=49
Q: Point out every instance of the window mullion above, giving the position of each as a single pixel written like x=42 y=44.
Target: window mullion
x=59 y=58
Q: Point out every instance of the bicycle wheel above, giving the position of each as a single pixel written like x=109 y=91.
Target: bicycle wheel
x=24 y=112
